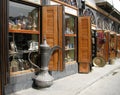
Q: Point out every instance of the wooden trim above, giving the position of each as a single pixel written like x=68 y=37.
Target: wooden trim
x=101 y=11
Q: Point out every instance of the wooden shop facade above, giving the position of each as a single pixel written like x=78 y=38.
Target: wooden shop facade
x=87 y=33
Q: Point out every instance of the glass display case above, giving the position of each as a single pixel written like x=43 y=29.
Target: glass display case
x=24 y=35
x=70 y=38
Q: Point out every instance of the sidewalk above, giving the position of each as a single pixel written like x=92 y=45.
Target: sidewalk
x=73 y=84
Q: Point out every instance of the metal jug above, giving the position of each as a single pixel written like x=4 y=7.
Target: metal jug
x=44 y=79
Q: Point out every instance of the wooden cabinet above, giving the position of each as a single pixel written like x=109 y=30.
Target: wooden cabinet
x=24 y=35
x=84 y=44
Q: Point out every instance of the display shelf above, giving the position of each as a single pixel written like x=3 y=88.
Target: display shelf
x=24 y=31
x=70 y=35
x=71 y=62
x=67 y=49
x=22 y=72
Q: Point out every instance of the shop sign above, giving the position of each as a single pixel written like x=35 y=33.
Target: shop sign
x=54 y=3
x=67 y=9
x=34 y=1
x=70 y=11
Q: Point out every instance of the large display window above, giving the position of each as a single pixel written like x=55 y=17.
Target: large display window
x=70 y=38
x=24 y=35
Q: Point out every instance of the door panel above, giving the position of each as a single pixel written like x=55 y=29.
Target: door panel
x=106 y=50
x=84 y=43
x=52 y=28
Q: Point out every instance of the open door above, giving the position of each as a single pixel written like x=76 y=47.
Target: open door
x=106 y=46
x=3 y=45
x=84 y=44
x=52 y=28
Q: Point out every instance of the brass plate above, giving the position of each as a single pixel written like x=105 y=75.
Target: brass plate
x=99 y=61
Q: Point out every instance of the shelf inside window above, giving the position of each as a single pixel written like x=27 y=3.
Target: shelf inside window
x=24 y=31
x=69 y=49
x=22 y=72
x=70 y=35
x=71 y=62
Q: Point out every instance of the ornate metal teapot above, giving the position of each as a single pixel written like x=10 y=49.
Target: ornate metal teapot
x=44 y=79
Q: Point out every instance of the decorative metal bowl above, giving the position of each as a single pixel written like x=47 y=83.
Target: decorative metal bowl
x=99 y=61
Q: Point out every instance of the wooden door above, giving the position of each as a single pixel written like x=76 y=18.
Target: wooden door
x=106 y=46
x=3 y=45
x=84 y=44
x=52 y=28
x=118 y=46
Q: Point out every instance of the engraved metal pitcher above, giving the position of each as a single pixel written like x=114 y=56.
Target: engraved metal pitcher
x=44 y=79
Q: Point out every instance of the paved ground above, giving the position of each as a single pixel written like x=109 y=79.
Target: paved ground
x=74 y=84
x=109 y=85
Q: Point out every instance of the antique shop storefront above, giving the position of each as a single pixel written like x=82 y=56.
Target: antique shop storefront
x=83 y=32
x=23 y=25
